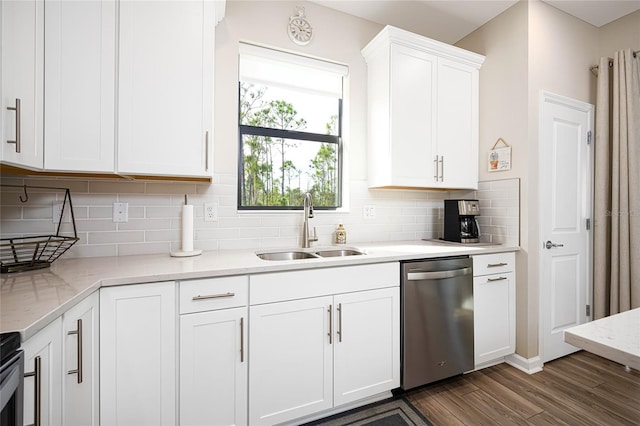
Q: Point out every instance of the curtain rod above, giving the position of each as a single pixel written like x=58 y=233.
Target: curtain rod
x=594 y=69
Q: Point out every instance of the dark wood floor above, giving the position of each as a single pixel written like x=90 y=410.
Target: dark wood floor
x=579 y=389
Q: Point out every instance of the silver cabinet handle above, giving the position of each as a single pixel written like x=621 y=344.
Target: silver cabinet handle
x=213 y=296
x=37 y=390
x=442 y=168
x=496 y=265
x=330 y=310
x=78 y=370
x=435 y=169
x=496 y=279
x=242 y=339
x=550 y=245
x=437 y=275
x=339 y=322
x=17 y=110
x=206 y=150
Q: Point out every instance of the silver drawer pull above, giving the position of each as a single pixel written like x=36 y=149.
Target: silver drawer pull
x=77 y=331
x=213 y=296
x=496 y=265
x=37 y=390
x=16 y=141
x=496 y=279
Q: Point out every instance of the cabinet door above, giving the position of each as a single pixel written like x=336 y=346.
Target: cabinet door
x=494 y=316
x=367 y=344
x=80 y=383
x=138 y=355
x=412 y=130
x=457 y=124
x=44 y=350
x=22 y=78
x=80 y=85
x=213 y=368
x=291 y=360
x=165 y=87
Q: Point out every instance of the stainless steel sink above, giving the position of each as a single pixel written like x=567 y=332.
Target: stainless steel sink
x=339 y=253
x=286 y=255
x=299 y=254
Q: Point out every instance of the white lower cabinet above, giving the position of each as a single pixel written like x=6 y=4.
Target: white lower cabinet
x=138 y=383
x=43 y=376
x=213 y=352
x=494 y=297
x=291 y=360
x=80 y=363
x=61 y=380
x=313 y=354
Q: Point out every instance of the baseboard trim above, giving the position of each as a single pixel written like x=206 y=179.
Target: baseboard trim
x=528 y=365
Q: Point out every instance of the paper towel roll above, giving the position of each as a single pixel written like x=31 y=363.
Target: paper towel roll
x=187 y=228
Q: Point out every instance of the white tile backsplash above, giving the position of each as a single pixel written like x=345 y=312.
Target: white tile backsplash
x=154 y=215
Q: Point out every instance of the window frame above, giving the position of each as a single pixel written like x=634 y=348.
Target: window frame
x=244 y=129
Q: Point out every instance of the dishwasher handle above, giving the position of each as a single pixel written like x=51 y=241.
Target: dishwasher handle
x=437 y=275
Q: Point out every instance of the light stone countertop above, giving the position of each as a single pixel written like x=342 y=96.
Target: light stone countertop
x=616 y=337
x=31 y=300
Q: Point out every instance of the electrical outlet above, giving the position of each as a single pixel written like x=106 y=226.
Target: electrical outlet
x=210 y=212
x=369 y=211
x=57 y=213
x=120 y=212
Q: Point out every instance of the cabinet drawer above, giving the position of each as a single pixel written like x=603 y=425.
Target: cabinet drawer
x=213 y=293
x=494 y=263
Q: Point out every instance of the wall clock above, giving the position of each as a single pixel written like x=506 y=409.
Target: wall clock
x=299 y=28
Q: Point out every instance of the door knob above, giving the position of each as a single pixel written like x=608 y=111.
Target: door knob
x=550 y=245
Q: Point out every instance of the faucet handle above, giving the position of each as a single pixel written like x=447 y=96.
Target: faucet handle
x=315 y=235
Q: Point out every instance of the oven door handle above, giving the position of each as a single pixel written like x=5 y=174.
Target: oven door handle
x=438 y=275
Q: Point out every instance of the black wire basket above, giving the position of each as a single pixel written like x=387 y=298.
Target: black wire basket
x=26 y=253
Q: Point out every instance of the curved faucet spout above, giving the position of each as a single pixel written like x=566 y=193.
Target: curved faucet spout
x=308 y=214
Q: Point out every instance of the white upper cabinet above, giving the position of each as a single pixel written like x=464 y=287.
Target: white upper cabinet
x=22 y=82
x=165 y=92
x=423 y=112
x=79 y=127
x=109 y=86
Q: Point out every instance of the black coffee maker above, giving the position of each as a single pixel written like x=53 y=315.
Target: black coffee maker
x=460 y=223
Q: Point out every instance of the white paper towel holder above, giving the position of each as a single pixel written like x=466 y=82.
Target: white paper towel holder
x=187 y=253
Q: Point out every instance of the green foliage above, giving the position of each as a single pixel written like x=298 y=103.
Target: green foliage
x=261 y=186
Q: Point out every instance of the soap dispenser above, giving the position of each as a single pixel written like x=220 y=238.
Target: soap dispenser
x=341 y=234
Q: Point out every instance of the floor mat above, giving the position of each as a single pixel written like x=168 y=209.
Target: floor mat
x=389 y=412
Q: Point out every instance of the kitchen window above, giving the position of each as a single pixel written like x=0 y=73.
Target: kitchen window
x=290 y=130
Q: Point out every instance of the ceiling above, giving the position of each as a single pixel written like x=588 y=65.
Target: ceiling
x=451 y=20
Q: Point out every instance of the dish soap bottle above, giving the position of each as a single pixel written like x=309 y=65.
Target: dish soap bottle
x=341 y=235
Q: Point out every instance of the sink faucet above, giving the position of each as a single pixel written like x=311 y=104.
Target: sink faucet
x=308 y=214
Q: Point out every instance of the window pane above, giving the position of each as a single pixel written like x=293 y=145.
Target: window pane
x=282 y=108
x=278 y=172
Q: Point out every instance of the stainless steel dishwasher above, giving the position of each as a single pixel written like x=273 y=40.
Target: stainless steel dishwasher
x=437 y=319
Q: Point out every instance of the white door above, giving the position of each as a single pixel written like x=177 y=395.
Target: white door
x=413 y=75
x=165 y=84
x=138 y=355
x=42 y=365
x=22 y=24
x=80 y=382
x=366 y=344
x=457 y=124
x=213 y=368
x=565 y=206
x=79 y=126
x=291 y=360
